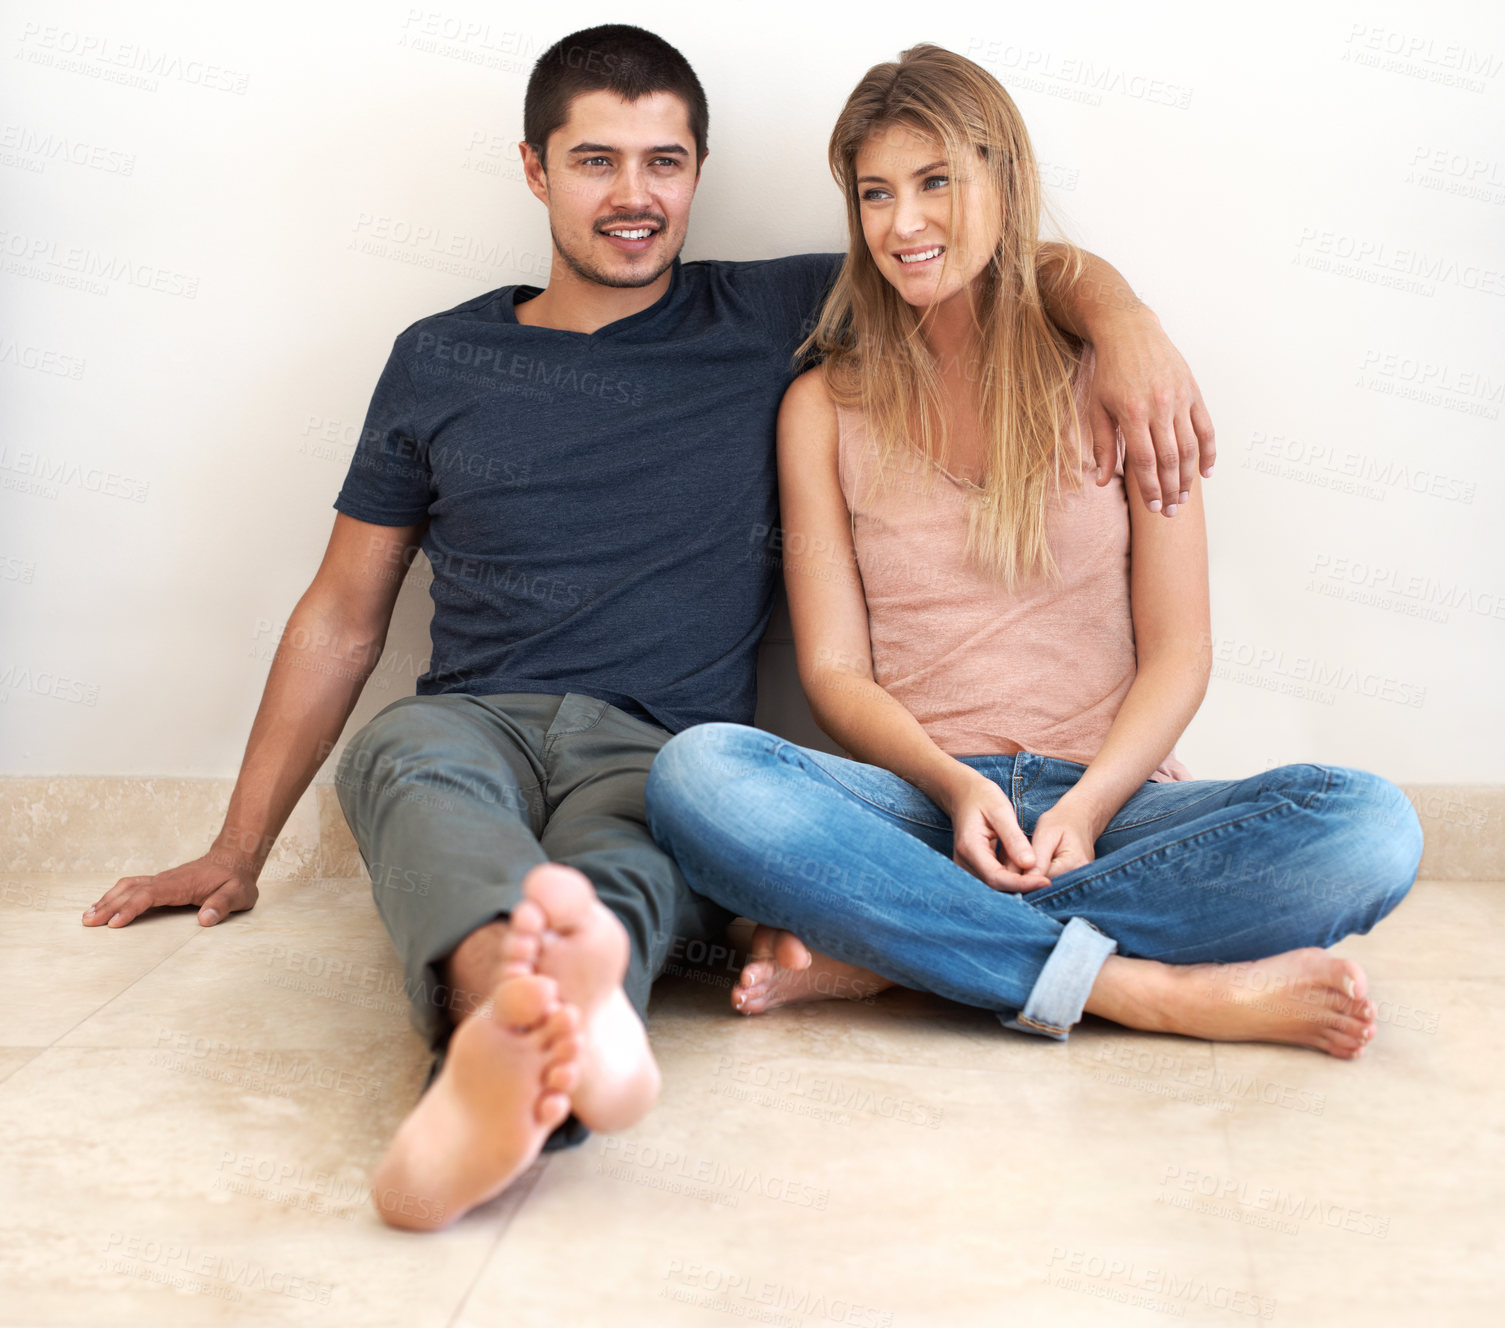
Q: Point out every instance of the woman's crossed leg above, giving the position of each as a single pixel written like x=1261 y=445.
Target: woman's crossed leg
x=1206 y=913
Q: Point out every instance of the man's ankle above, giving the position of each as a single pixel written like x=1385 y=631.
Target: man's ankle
x=473 y=969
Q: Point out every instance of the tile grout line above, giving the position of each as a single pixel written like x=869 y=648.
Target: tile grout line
x=1224 y=1119
x=171 y=954
x=35 y=1052
x=506 y=1226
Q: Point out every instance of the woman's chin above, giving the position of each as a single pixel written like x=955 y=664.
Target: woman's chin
x=912 y=291
x=923 y=297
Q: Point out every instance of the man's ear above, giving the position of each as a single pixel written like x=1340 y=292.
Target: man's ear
x=534 y=173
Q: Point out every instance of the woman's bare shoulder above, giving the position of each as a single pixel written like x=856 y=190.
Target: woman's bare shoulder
x=809 y=393
x=808 y=412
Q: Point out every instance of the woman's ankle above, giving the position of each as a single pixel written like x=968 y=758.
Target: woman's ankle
x=1132 y=992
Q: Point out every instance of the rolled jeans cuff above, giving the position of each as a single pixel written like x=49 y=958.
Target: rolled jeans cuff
x=1056 y=1000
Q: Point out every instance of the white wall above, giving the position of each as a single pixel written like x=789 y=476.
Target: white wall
x=1312 y=196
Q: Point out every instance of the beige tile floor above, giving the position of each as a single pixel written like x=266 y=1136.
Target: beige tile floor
x=187 y=1119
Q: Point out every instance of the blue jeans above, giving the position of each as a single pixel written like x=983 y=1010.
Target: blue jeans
x=857 y=863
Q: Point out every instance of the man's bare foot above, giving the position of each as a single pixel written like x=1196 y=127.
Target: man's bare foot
x=505 y=1085
x=782 y=970
x=1307 y=998
x=560 y=929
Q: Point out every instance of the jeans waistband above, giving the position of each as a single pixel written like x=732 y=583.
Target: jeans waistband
x=1015 y=772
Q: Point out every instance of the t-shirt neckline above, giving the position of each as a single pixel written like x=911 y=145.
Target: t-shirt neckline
x=611 y=329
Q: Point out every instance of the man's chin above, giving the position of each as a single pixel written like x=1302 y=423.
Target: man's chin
x=627 y=275
x=627 y=280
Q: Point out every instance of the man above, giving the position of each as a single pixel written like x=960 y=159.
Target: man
x=589 y=469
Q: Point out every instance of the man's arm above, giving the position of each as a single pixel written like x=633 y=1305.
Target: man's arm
x=1141 y=385
x=332 y=643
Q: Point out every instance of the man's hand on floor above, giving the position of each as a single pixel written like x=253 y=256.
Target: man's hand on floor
x=218 y=885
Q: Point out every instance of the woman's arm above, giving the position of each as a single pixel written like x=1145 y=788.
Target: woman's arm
x=1173 y=643
x=829 y=615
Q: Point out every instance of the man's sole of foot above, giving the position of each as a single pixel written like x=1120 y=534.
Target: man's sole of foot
x=504 y=1087
x=782 y=970
x=561 y=930
x=1304 y=998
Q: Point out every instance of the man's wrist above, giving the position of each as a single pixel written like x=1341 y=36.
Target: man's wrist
x=241 y=849
x=1116 y=312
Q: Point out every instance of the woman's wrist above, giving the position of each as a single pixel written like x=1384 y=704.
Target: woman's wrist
x=951 y=784
x=1086 y=809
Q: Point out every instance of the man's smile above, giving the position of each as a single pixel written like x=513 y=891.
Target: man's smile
x=631 y=238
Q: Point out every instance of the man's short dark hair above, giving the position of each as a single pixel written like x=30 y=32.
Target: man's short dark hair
x=617 y=58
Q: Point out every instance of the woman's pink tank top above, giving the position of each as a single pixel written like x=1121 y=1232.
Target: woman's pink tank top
x=984 y=671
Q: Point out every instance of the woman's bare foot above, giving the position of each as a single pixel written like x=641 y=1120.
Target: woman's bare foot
x=1306 y=998
x=560 y=929
x=505 y=1085
x=782 y=970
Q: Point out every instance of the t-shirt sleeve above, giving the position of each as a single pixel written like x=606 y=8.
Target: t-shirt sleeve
x=388 y=483
x=792 y=291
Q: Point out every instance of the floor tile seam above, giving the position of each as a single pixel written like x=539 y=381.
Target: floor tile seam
x=140 y=977
x=540 y=1168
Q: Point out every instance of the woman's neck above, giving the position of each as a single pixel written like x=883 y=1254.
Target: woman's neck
x=950 y=331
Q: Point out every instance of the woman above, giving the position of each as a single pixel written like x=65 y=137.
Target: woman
x=1015 y=831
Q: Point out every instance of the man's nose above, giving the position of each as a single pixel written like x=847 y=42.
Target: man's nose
x=630 y=191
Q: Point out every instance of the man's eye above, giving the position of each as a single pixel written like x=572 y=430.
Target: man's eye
x=594 y=161
x=666 y=161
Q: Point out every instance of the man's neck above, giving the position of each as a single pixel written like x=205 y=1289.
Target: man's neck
x=571 y=303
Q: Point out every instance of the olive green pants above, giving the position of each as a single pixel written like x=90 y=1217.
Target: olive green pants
x=453 y=798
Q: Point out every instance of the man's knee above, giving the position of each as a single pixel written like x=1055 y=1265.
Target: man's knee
x=430 y=755
x=376 y=750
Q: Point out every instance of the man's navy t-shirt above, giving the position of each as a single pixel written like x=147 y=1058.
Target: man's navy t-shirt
x=599 y=505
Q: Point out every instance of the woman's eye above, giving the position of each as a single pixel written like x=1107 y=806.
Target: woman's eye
x=941 y=180
x=874 y=195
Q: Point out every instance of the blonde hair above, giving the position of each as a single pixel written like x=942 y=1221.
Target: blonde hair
x=875 y=356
